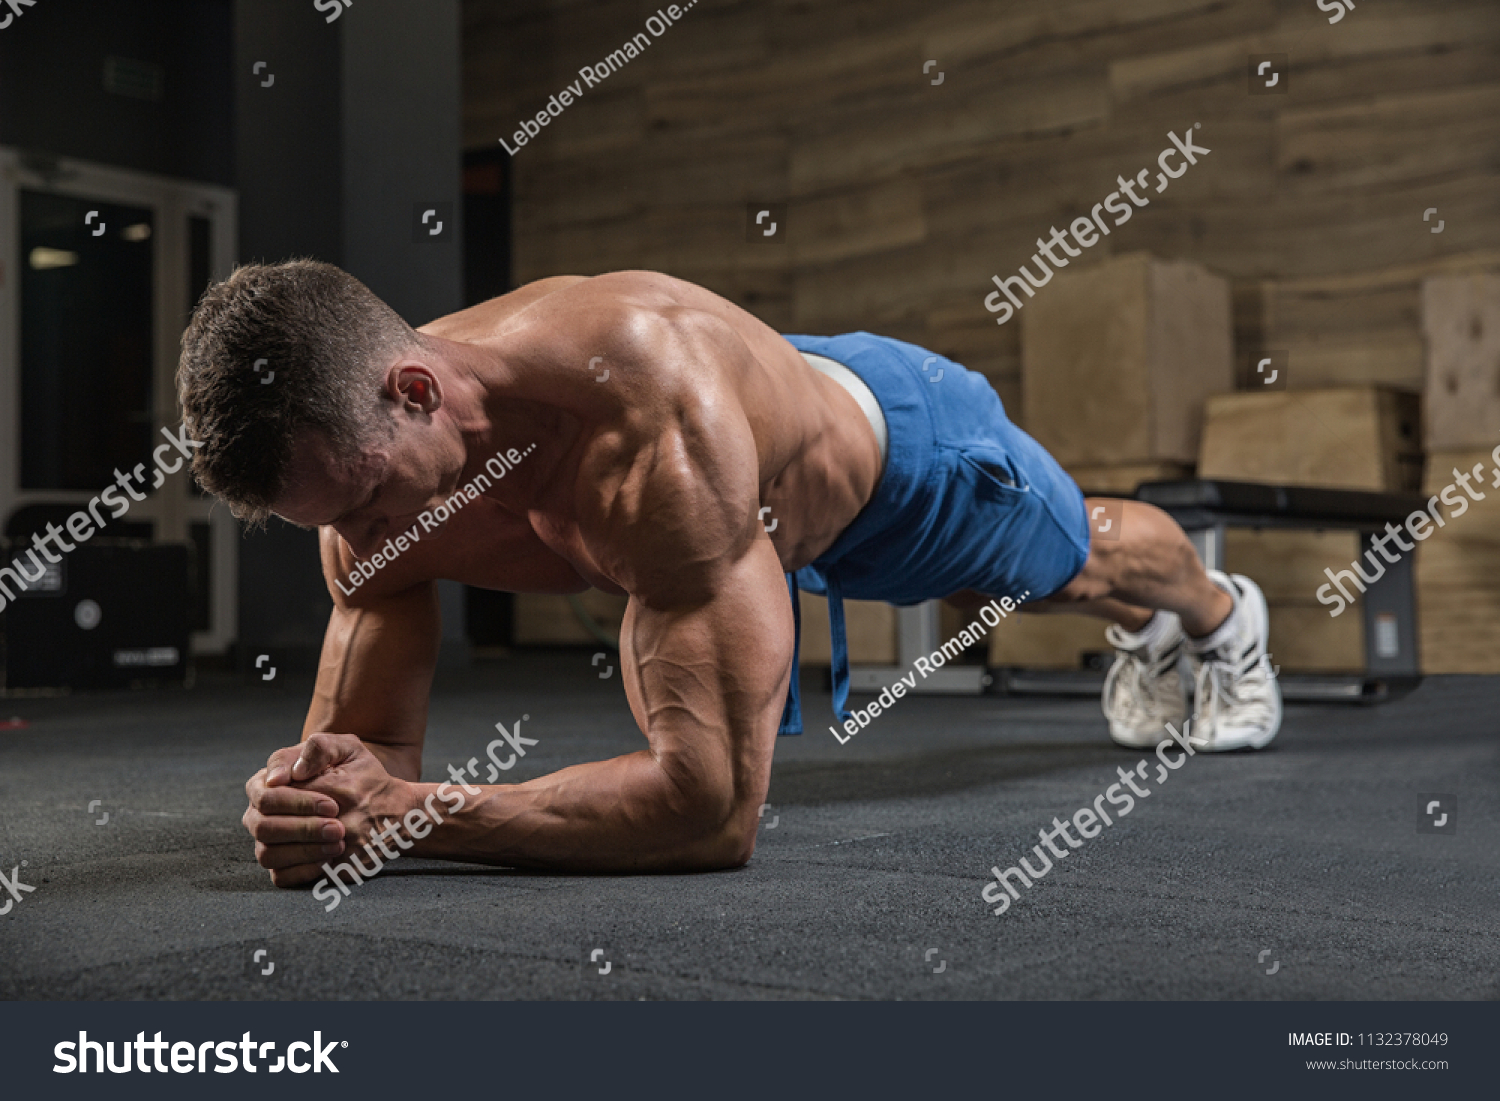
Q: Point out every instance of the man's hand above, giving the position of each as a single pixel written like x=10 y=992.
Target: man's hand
x=318 y=800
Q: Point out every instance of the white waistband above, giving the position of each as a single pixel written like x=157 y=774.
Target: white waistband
x=858 y=391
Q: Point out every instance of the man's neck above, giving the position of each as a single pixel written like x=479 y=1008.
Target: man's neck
x=493 y=419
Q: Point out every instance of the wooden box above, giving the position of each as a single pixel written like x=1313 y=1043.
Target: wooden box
x=1309 y=640
x=1117 y=359
x=1123 y=479
x=547 y=619
x=1047 y=641
x=1288 y=566
x=1461 y=324
x=1350 y=438
x=870 y=625
x=1458 y=584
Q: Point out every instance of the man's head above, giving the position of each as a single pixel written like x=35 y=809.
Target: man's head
x=296 y=379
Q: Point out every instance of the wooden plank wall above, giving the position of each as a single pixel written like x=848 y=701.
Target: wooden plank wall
x=905 y=198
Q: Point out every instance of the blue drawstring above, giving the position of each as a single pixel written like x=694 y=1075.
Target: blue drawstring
x=791 y=713
x=840 y=653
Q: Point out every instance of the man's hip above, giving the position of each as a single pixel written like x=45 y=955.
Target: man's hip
x=966 y=500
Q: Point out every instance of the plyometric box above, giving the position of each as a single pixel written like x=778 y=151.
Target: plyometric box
x=1458 y=584
x=1461 y=325
x=869 y=625
x=548 y=619
x=1364 y=437
x=1288 y=566
x=1117 y=359
x=1053 y=642
x=1123 y=479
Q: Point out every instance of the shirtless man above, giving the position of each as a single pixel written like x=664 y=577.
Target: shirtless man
x=650 y=482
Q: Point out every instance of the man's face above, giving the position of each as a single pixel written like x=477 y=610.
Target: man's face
x=378 y=493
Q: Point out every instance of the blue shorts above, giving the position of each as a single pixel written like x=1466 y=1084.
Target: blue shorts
x=966 y=501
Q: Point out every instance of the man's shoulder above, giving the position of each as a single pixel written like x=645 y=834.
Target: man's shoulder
x=631 y=291
x=622 y=307
x=632 y=334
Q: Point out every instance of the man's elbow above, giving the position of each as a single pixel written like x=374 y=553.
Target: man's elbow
x=717 y=849
x=719 y=830
x=732 y=844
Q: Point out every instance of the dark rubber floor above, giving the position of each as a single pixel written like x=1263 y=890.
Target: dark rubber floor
x=866 y=882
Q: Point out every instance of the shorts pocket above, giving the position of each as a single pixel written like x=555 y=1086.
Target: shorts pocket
x=996 y=476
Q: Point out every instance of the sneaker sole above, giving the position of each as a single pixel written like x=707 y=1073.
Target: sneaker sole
x=1131 y=739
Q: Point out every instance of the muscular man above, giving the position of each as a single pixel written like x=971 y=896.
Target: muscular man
x=652 y=483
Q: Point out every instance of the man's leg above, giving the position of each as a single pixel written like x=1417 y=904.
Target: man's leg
x=1151 y=585
x=1151 y=566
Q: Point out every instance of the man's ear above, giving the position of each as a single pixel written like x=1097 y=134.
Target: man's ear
x=413 y=386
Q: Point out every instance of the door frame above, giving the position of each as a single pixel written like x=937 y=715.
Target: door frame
x=172 y=201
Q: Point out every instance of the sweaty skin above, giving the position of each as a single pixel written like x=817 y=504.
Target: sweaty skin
x=648 y=483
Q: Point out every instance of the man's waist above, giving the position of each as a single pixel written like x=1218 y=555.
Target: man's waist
x=860 y=392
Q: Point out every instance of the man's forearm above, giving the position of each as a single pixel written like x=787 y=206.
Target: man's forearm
x=621 y=815
x=375 y=675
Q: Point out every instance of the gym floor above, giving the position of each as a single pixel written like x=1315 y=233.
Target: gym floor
x=871 y=856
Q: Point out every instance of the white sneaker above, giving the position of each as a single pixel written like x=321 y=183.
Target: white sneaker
x=1144 y=691
x=1236 y=700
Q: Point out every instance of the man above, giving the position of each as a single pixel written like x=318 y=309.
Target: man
x=664 y=444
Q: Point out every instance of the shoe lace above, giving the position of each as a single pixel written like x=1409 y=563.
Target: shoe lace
x=1225 y=682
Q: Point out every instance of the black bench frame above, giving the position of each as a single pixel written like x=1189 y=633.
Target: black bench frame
x=1206 y=509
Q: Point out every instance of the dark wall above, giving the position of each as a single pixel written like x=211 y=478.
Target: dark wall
x=52 y=95
x=288 y=158
x=290 y=173
x=401 y=144
x=401 y=126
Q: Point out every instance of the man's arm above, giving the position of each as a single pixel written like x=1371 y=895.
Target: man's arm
x=375 y=672
x=374 y=676
x=666 y=506
x=707 y=680
x=381 y=647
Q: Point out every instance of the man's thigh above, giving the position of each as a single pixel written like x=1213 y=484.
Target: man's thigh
x=1146 y=543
